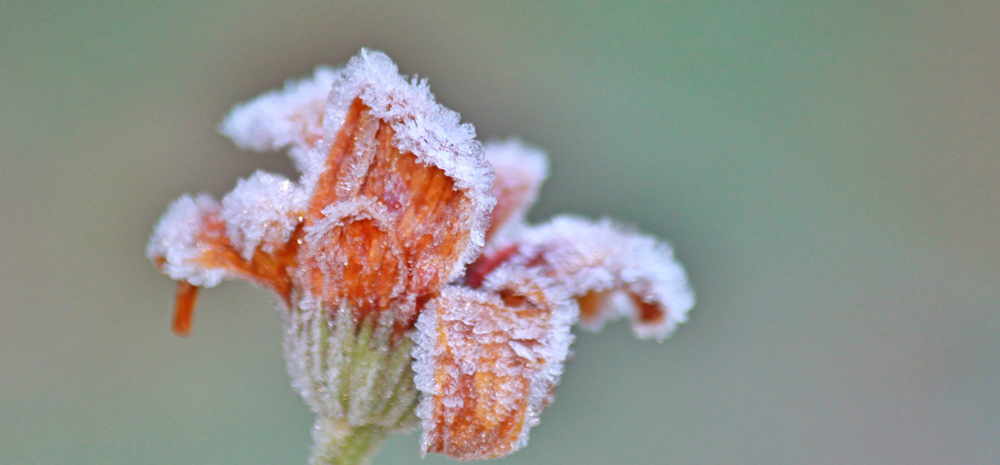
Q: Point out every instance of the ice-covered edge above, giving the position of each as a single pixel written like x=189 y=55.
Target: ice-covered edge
x=516 y=162
x=261 y=211
x=175 y=242
x=424 y=358
x=268 y=121
x=423 y=127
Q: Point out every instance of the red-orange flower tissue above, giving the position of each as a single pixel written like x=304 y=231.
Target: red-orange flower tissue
x=412 y=290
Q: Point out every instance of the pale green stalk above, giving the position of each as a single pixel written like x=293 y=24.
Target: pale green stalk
x=355 y=376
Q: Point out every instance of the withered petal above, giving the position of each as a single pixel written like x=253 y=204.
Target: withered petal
x=520 y=171
x=352 y=253
x=190 y=244
x=611 y=270
x=390 y=147
x=487 y=364
x=288 y=117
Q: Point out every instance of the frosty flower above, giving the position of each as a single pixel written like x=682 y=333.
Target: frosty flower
x=412 y=290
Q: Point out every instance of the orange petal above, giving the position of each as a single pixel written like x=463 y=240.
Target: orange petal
x=417 y=184
x=487 y=364
x=429 y=216
x=612 y=271
x=216 y=252
x=520 y=171
x=190 y=245
x=353 y=147
x=414 y=227
x=353 y=254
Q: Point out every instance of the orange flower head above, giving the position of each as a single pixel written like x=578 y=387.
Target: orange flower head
x=413 y=290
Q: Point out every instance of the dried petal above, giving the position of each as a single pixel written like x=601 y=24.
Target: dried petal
x=520 y=170
x=352 y=253
x=415 y=175
x=190 y=244
x=188 y=231
x=289 y=117
x=613 y=272
x=486 y=364
x=262 y=212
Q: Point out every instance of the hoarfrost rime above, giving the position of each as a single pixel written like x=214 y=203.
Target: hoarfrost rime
x=403 y=236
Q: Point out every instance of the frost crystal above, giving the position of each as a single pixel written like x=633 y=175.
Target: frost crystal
x=262 y=211
x=291 y=117
x=520 y=170
x=412 y=289
x=177 y=241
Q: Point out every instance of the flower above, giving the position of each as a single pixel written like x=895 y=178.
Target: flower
x=411 y=287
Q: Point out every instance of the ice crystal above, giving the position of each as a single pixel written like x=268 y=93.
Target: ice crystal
x=487 y=363
x=412 y=289
x=520 y=171
x=288 y=118
x=261 y=212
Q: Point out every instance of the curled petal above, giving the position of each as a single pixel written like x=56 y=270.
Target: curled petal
x=289 y=117
x=191 y=245
x=390 y=147
x=520 y=170
x=611 y=270
x=486 y=364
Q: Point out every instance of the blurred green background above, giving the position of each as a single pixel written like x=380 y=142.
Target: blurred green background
x=828 y=172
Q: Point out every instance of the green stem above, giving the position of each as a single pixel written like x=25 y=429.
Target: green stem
x=337 y=443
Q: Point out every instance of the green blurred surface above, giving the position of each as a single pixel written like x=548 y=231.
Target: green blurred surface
x=828 y=172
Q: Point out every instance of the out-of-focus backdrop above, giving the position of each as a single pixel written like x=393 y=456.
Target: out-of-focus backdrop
x=829 y=173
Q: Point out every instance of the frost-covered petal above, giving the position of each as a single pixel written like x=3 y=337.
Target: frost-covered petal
x=613 y=271
x=187 y=240
x=288 y=117
x=520 y=171
x=388 y=144
x=190 y=245
x=262 y=212
x=486 y=364
x=433 y=133
x=352 y=254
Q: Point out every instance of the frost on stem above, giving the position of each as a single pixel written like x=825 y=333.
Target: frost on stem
x=413 y=290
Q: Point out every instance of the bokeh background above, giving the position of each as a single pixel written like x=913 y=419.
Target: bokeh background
x=828 y=172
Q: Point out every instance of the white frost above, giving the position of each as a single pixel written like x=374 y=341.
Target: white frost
x=520 y=171
x=584 y=256
x=175 y=240
x=282 y=118
x=423 y=127
x=262 y=211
